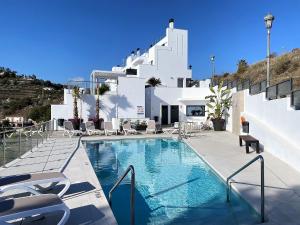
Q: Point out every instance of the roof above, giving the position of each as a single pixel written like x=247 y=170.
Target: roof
x=107 y=74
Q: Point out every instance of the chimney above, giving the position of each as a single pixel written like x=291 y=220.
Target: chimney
x=138 y=52
x=171 y=23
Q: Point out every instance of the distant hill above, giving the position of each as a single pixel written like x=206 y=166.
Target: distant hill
x=27 y=96
x=283 y=67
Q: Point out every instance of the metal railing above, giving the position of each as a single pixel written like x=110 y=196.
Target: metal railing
x=258 y=88
x=243 y=85
x=132 y=188
x=262 y=184
x=279 y=90
x=295 y=99
x=14 y=142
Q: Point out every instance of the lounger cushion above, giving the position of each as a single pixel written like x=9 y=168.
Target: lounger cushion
x=29 y=178
x=11 y=206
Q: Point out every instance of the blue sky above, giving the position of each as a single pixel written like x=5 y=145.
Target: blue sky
x=62 y=39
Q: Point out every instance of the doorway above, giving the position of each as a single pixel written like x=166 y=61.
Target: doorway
x=164 y=114
x=174 y=113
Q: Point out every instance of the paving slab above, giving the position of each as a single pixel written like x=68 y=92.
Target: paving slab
x=282 y=183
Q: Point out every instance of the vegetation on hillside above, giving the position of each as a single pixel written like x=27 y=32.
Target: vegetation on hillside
x=27 y=96
x=283 y=67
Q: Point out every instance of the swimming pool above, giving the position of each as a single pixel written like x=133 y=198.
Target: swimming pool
x=173 y=184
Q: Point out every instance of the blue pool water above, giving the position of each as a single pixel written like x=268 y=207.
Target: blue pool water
x=173 y=184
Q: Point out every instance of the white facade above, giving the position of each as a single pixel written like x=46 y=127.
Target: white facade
x=128 y=98
x=120 y=103
x=276 y=125
x=167 y=60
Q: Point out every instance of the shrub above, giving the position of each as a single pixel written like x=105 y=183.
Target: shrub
x=40 y=113
x=242 y=66
x=282 y=65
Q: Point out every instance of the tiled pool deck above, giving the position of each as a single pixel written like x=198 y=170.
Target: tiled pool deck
x=220 y=149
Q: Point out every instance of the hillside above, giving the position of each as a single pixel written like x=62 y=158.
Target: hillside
x=283 y=67
x=27 y=96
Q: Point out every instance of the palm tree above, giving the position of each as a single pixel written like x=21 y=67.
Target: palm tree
x=76 y=95
x=154 y=82
x=100 y=91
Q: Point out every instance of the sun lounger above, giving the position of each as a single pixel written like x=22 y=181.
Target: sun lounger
x=12 y=209
x=69 y=129
x=108 y=128
x=128 y=129
x=172 y=130
x=90 y=128
x=29 y=182
x=151 y=127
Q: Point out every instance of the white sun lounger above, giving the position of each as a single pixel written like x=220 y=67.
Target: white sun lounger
x=172 y=130
x=128 y=130
x=108 y=128
x=32 y=182
x=151 y=127
x=12 y=209
x=69 y=129
x=90 y=128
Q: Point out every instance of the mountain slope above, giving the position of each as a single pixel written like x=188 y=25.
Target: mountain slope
x=22 y=95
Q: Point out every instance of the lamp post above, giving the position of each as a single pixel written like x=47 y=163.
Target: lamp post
x=212 y=60
x=268 y=22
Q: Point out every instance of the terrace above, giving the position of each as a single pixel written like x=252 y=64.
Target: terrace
x=88 y=204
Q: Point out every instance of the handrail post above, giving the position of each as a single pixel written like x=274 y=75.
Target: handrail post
x=262 y=189
x=19 y=143
x=262 y=184
x=4 y=150
x=132 y=190
x=132 y=203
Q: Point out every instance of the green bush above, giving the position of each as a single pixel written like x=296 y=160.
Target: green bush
x=40 y=113
x=282 y=65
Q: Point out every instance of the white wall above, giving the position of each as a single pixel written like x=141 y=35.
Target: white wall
x=158 y=96
x=124 y=102
x=169 y=62
x=276 y=125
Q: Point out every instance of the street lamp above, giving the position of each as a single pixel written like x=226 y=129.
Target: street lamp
x=212 y=60
x=268 y=22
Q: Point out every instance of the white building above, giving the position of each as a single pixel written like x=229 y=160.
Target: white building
x=177 y=98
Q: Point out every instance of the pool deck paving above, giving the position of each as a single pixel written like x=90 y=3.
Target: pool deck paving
x=282 y=183
x=220 y=150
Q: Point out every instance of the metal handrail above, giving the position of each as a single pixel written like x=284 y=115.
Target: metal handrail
x=132 y=188
x=262 y=185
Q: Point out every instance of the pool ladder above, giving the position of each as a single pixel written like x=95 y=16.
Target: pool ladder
x=262 y=184
x=132 y=188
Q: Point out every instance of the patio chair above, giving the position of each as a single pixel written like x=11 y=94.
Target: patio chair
x=18 y=208
x=69 y=129
x=207 y=125
x=128 y=129
x=108 y=128
x=172 y=130
x=151 y=127
x=36 y=129
x=32 y=182
x=90 y=128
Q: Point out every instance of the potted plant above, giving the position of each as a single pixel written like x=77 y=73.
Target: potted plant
x=76 y=96
x=218 y=105
x=104 y=88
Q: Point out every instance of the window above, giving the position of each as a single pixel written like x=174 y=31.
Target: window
x=131 y=71
x=195 y=110
x=180 y=82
